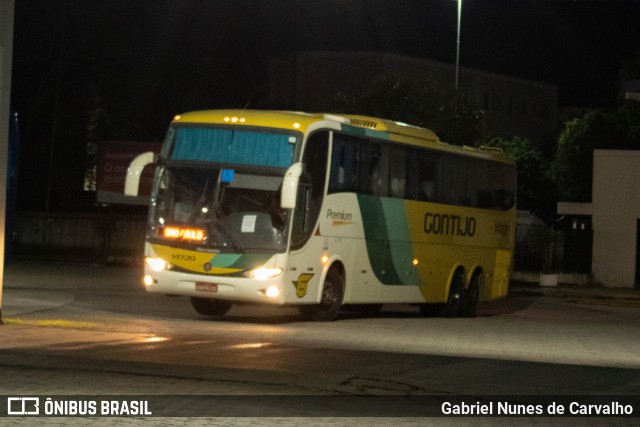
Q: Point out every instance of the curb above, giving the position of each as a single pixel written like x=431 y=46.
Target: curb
x=623 y=297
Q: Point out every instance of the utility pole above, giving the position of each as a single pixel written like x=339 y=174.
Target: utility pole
x=7 y=8
x=458 y=42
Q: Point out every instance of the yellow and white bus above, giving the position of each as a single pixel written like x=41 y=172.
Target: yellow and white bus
x=321 y=211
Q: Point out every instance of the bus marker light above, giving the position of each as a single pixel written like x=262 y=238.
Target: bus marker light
x=324 y=259
x=415 y=261
x=235 y=119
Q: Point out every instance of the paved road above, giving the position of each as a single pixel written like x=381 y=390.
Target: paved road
x=93 y=330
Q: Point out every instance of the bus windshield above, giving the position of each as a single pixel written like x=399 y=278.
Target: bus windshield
x=230 y=146
x=223 y=210
x=217 y=189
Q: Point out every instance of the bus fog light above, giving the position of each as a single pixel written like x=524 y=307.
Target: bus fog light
x=157 y=264
x=148 y=280
x=264 y=273
x=272 y=291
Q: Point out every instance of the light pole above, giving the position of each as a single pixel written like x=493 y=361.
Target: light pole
x=458 y=42
x=7 y=8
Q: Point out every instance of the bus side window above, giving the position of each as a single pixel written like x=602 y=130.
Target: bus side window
x=315 y=162
x=374 y=177
x=411 y=189
x=502 y=181
x=428 y=176
x=344 y=164
x=311 y=190
x=397 y=170
x=454 y=181
x=478 y=190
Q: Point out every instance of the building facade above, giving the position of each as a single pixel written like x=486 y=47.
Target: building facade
x=616 y=218
x=514 y=107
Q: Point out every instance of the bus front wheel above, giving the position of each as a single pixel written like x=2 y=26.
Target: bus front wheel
x=210 y=307
x=330 y=302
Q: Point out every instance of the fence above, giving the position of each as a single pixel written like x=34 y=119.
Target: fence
x=98 y=237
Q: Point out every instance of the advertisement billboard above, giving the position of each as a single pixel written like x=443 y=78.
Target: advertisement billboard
x=114 y=158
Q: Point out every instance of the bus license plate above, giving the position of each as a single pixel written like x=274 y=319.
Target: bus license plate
x=206 y=287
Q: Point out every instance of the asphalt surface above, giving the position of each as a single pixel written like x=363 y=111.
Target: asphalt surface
x=44 y=368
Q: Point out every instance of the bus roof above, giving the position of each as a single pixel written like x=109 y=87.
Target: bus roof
x=300 y=121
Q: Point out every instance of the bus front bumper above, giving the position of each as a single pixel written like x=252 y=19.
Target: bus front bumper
x=266 y=291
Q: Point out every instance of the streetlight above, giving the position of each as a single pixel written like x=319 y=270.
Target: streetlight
x=458 y=42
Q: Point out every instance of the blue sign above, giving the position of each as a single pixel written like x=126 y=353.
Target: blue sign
x=228 y=175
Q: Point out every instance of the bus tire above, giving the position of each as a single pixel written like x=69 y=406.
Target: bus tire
x=453 y=306
x=330 y=302
x=471 y=295
x=210 y=307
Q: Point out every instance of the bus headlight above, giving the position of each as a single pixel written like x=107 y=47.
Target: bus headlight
x=264 y=273
x=157 y=264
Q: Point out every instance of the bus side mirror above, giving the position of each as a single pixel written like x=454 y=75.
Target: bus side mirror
x=290 y=186
x=134 y=172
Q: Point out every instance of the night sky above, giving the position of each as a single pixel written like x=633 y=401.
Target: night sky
x=146 y=60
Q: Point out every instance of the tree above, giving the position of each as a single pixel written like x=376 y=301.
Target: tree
x=458 y=122
x=572 y=165
x=630 y=71
x=98 y=122
x=420 y=102
x=535 y=189
x=626 y=121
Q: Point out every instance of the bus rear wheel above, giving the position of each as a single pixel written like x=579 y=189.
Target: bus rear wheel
x=210 y=307
x=330 y=302
x=472 y=295
x=453 y=306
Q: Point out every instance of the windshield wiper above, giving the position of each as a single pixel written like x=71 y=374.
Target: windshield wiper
x=198 y=206
x=228 y=232
x=217 y=215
